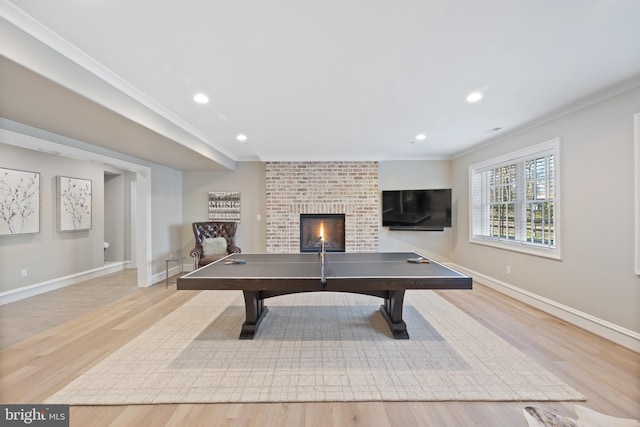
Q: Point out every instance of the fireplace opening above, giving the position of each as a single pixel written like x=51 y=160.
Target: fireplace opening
x=314 y=226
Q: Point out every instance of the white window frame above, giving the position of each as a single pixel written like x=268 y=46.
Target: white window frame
x=478 y=233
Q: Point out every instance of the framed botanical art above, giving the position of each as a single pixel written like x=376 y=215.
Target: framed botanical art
x=74 y=203
x=19 y=202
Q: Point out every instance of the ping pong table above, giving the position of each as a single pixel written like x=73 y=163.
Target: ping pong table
x=386 y=275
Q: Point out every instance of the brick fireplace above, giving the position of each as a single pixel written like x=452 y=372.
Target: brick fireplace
x=345 y=188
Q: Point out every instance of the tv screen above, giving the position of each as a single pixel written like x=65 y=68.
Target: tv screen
x=416 y=209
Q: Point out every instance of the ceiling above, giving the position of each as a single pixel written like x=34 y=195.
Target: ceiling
x=330 y=80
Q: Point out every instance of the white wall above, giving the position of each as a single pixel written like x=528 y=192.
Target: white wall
x=417 y=175
x=596 y=275
x=249 y=179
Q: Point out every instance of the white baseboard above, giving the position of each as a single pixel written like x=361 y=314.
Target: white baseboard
x=161 y=277
x=50 y=285
x=619 y=335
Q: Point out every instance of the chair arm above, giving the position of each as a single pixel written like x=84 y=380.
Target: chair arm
x=196 y=253
x=233 y=249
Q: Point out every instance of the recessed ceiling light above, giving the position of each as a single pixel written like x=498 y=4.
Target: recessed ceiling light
x=420 y=137
x=201 y=98
x=241 y=137
x=474 y=97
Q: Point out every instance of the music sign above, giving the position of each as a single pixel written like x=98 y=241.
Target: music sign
x=224 y=206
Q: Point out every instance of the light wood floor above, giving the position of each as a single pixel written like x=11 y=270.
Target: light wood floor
x=72 y=329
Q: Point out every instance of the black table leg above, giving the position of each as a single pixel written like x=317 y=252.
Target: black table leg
x=392 y=312
x=254 y=312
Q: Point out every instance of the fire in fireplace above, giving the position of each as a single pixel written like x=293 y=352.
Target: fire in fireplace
x=313 y=227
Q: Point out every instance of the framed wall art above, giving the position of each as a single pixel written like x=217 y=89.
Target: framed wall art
x=74 y=204
x=19 y=202
x=224 y=206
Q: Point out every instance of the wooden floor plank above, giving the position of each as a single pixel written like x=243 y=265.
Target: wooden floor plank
x=40 y=360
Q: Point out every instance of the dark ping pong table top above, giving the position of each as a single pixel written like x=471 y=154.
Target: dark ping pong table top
x=386 y=275
x=338 y=265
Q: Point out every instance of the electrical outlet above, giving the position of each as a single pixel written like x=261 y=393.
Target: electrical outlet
x=24 y=272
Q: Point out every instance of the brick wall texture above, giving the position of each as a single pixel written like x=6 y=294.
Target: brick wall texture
x=295 y=188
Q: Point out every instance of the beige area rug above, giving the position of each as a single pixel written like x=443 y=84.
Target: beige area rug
x=314 y=347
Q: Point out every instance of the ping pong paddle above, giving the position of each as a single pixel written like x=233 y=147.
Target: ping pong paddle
x=236 y=261
x=418 y=260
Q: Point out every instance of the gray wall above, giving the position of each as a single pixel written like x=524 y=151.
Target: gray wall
x=596 y=274
x=50 y=254
x=417 y=175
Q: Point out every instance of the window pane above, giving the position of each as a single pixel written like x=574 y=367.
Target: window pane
x=519 y=200
x=541 y=190
x=511 y=222
x=529 y=186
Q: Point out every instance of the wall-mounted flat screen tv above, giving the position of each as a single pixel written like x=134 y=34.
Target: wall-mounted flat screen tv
x=416 y=209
